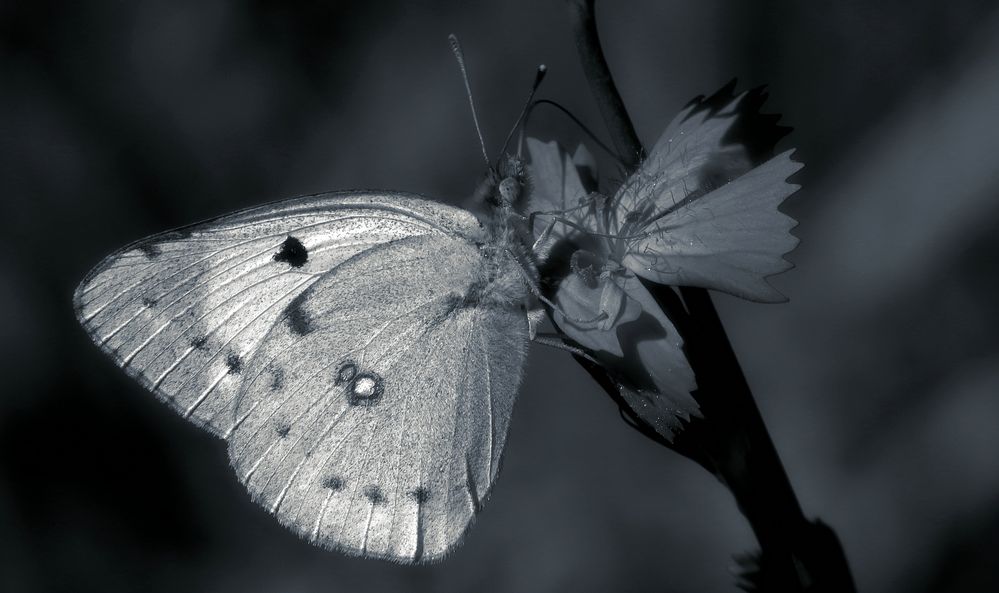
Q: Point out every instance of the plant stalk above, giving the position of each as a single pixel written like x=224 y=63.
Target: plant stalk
x=731 y=440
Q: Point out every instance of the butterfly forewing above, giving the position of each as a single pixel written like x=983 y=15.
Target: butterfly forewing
x=185 y=310
x=373 y=417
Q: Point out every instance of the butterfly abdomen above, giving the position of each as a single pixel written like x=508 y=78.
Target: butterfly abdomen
x=500 y=277
x=495 y=287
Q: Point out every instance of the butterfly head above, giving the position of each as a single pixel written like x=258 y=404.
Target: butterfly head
x=512 y=184
x=504 y=186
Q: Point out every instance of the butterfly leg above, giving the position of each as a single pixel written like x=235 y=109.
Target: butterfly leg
x=583 y=203
x=593 y=233
x=544 y=234
x=535 y=317
x=555 y=341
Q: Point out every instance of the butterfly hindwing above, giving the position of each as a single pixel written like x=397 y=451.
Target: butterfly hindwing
x=373 y=417
x=184 y=311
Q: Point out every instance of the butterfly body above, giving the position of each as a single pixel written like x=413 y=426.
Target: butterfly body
x=510 y=264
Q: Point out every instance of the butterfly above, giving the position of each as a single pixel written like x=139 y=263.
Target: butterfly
x=359 y=352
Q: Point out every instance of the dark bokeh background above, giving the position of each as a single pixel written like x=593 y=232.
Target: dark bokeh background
x=880 y=380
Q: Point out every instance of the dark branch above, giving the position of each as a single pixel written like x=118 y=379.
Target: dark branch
x=628 y=146
x=731 y=440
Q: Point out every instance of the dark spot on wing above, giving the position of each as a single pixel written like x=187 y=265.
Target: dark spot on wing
x=365 y=389
x=346 y=373
x=200 y=342
x=277 y=379
x=282 y=430
x=148 y=302
x=292 y=252
x=235 y=363
x=298 y=320
x=333 y=483
x=420 y=495
x=151 y=247
x=151 y=250
x=375 y=495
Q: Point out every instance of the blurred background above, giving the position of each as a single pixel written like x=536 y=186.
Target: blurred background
x=879 y=381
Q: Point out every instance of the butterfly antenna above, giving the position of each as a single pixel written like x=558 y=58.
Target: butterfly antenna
x=460 y=57
x=565 y=111
x=538 y=77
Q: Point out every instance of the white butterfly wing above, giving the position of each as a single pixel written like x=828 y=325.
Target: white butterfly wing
x=373 y=417
x=730 y=239
x=183 y=311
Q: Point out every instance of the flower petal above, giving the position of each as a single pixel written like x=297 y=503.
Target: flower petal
x=688 y=159
x=555 y=182
x=730 y=239
x=586 y=166
x=556 y=186
x=640 y=346
x=595 y=304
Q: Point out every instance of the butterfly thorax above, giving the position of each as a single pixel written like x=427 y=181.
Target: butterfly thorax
x=506 y=261
x=508 y=264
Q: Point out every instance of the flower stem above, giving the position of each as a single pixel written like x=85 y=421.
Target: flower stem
x=591 y=54
x=731 y=440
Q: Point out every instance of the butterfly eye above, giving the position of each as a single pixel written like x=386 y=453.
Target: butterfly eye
x=509 y=190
